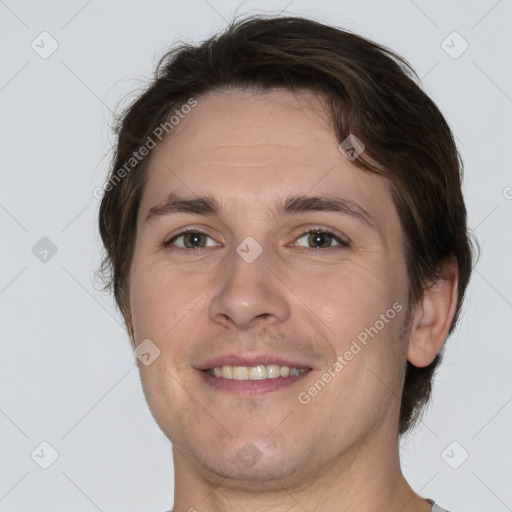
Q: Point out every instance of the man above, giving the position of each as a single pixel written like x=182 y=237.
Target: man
x=286 y=238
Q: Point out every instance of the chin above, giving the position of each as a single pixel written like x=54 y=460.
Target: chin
x=264 y=476
x=249 y=465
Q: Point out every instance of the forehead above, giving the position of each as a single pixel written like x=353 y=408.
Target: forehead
x=251 y=128
x=251 y=148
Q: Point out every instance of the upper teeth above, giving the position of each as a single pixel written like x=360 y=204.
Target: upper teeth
x=259 y=372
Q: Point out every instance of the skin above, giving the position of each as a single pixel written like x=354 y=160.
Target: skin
x=340 y=451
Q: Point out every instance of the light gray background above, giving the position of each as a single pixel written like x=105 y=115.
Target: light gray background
x=67 y=373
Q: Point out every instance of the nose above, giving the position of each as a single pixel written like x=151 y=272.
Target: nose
x=250 y=294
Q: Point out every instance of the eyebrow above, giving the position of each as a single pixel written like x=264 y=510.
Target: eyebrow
x=208 y=205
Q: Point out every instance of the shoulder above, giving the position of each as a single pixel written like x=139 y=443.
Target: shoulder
x=436 y=508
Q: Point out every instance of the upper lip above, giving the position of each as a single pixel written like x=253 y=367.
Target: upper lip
x=249 y=360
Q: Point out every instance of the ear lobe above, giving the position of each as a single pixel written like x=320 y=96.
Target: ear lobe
x=433 y=316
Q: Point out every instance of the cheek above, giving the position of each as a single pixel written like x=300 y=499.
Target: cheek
x=351 y=298
x=364 y=310
x=154 y=305
x=163 y=296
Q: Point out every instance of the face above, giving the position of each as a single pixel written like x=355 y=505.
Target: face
x=266 y=279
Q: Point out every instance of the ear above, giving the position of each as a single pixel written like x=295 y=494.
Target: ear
x=433 y=317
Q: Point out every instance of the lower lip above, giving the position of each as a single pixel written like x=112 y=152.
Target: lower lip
x=251 y=387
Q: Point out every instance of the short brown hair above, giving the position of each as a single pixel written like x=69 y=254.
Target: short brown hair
x=369 y=92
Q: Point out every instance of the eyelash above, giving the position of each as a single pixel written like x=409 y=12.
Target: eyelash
x=316 y=229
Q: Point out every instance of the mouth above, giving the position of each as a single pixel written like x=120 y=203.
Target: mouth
x=254 y=380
